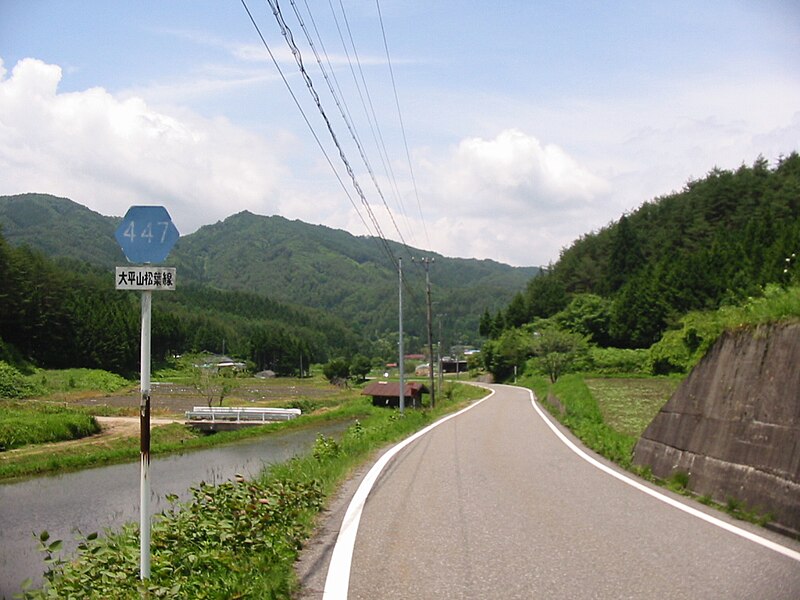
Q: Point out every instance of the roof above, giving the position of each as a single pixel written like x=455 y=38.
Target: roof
x=392 y=388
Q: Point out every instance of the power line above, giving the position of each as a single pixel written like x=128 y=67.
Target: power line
x=302 y=112
x=372 y=120
x=379 y=238
x=287 y=35
x=402 y=126
x=347 y=122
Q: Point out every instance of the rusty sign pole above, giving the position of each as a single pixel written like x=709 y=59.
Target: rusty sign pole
x=146 y=234
x=144 y=424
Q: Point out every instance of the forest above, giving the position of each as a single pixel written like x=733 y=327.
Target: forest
x=718 y=242
x=291 y=262
x=59 y=313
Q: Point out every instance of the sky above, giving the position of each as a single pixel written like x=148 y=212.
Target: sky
x=502 y=130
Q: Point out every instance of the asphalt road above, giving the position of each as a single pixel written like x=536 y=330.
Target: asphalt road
x=493 y=504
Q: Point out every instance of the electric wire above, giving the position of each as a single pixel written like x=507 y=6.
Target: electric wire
x=347 y=122
x=287 y=35
x=376 y=130
x=402 y=126
x=379 y=237
x=305 y=118
x=391 y=179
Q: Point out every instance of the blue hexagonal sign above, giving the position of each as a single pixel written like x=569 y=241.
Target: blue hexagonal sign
x=146 y=234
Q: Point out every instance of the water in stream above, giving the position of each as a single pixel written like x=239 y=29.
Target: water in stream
x=95 y=499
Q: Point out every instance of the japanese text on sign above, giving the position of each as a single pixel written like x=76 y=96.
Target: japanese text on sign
x=145 y=278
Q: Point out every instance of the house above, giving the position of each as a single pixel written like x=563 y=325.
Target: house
x=387 y=393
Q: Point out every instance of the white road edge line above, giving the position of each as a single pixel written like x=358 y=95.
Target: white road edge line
x=664 y=498
x=337 y=581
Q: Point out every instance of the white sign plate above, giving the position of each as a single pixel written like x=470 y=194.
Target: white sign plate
x=145 y=278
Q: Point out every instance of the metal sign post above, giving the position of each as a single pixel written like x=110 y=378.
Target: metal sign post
x=144 y=428
x=146 y=235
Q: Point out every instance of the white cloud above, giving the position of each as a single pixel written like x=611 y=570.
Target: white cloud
x=109 y=153
x=510 y=198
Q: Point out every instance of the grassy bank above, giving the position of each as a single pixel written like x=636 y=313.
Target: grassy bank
x=23 y=424
x=610 y=415
x=165 y=439
x=239 y=539
x=607 y=414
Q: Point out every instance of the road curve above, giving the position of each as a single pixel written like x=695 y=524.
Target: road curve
x=492 y=503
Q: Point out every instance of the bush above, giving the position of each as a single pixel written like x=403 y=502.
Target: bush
x=211 y=547
x=336 y=369
x=13 y=384
x=612 y=361
x=679 y=350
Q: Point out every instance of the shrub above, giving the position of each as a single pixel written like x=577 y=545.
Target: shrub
x=13 y=384
x=612 y=361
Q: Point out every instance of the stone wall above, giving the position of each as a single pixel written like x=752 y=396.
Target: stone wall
x=734 y=424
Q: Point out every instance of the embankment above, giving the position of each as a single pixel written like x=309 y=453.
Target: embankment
x=734 y=424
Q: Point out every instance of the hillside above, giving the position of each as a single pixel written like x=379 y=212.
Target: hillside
x=716 y=242
x=351 y=276
x=60 y=227
x=289 y=261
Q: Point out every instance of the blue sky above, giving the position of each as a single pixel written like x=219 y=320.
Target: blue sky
x=528 y=124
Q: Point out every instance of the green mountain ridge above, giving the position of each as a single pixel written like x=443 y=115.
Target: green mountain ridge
x=719 y=241
x=288 y=261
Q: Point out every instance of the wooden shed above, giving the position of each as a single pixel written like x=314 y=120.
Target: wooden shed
x=387 y=393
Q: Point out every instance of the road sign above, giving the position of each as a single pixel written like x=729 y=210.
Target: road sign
x=146 y=234
x=146 y=278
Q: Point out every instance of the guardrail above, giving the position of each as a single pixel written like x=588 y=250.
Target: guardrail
x=241 y=415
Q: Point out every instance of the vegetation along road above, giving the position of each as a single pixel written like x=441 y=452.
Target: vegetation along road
x=494 y=503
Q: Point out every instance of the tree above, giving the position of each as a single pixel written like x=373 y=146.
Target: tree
x=517 y=311
x=360 y=367
x=211 y=384
x=556 y=350
x=638 y=314
x=336 y=370
x=588 y=315
x=510 y=350
x=626 y=256
x=545 y=296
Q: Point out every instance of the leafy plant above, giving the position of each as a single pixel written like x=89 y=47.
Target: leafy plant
x=14 y=384
x=325 y=448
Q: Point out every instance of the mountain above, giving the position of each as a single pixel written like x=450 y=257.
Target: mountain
x=60 y=227
x=717 y=242
x=290 y=261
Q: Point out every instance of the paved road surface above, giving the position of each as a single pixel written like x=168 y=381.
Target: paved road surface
x=492 y=504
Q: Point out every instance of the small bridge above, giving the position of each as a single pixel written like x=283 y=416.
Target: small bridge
x=225 y=418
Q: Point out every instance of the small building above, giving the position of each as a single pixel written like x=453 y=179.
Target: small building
x=387 y=393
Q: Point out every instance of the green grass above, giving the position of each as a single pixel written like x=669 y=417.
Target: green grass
x=72 y=380
x=628 y=405
x=608 y=415
x=22 y=424
x=239 y=539
x=165 y=439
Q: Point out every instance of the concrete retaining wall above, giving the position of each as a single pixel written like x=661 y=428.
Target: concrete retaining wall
x=734 y=424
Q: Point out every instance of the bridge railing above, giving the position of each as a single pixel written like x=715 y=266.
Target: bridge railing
x=243 y=414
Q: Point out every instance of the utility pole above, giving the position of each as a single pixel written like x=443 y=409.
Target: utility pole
x=400 y=342
x=441 y=371
x=426 y=262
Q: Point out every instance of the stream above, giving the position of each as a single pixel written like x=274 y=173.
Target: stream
x=93 y=500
